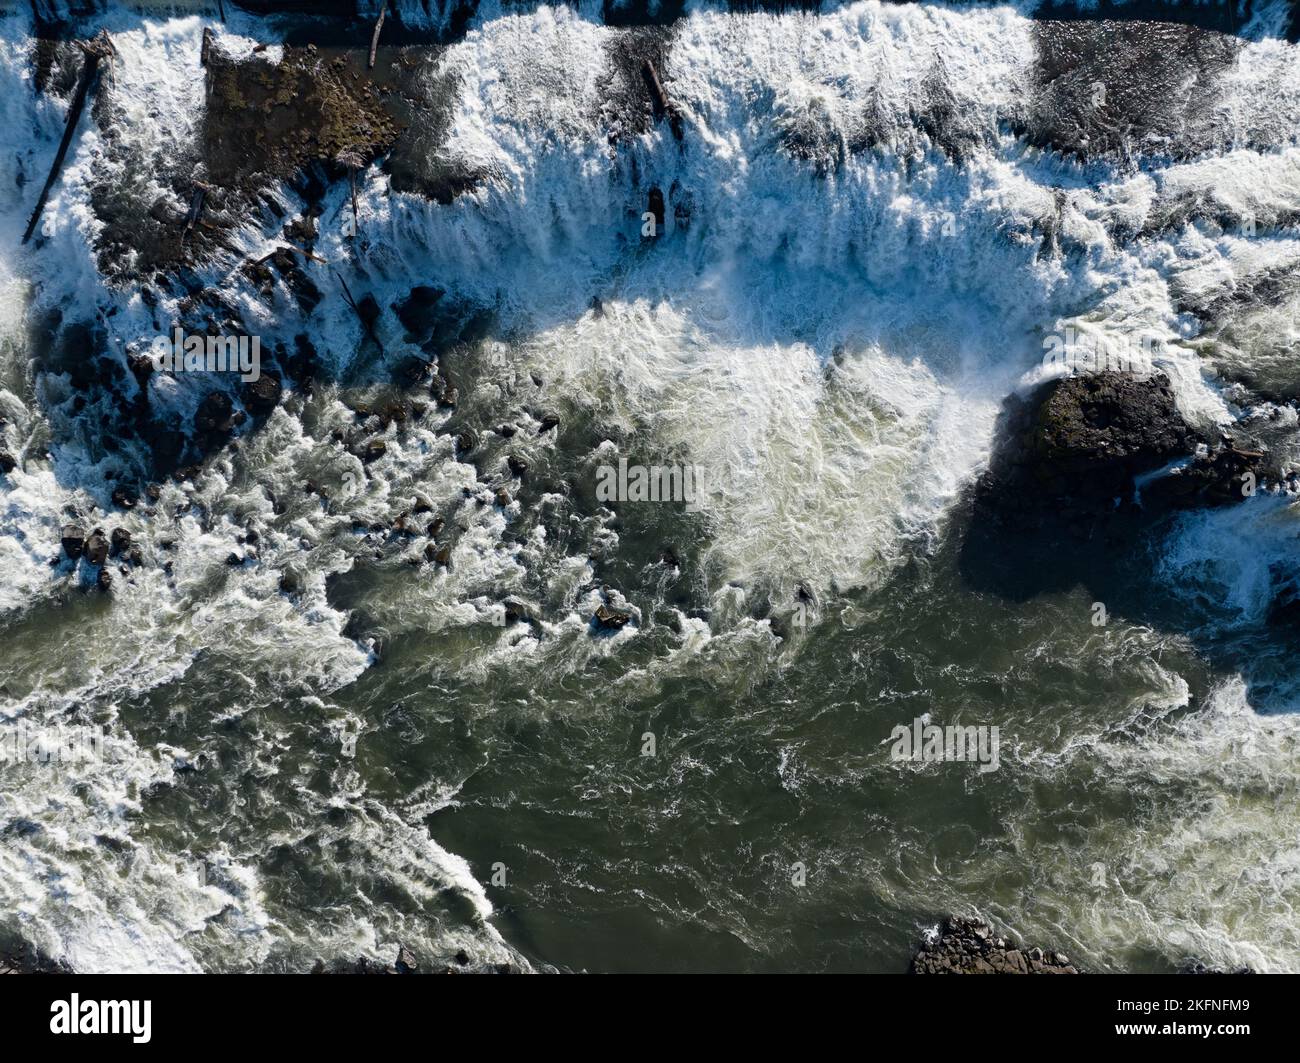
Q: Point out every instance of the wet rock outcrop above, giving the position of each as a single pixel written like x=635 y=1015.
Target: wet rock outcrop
x=73 y=540
x=31 y=964
x=406 y=963
x=1220 y=476
x=1074 y=454
x=1071 y=450
x=968 y=946
x=1197 y=967
x=1083 y=468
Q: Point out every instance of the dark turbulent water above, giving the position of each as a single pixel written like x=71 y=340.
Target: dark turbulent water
x=875 y=218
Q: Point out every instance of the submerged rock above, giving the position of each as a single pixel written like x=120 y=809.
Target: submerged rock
x=124 y=498
x=373 y=450
x=406 y=963
x=968 y=946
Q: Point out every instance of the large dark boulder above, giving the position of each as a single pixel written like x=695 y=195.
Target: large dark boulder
x=97 y=547
x=418 y=312
x=262 y=395
x=1081 y=440
x=73 y=540
x=215 y=414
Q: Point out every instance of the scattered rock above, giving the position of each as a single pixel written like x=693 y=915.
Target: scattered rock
x=611 y=619
x=216 y=414
x=119 y=542
x=97 y=547
x=31 y=965
x=73 y=541
x=262 y=395
x=967 y=946
x=373 y=450
x=1197 y=967
x=7 y=462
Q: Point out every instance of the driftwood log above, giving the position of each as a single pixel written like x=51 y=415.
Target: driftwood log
x=663 y=106
x=95 y=50
x=374 y=38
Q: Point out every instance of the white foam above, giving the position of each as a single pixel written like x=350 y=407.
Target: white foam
x=836 y=346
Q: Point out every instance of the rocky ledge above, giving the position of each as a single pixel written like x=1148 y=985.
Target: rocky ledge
x=967 y=946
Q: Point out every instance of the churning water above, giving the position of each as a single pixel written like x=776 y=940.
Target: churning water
x=328 y=749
